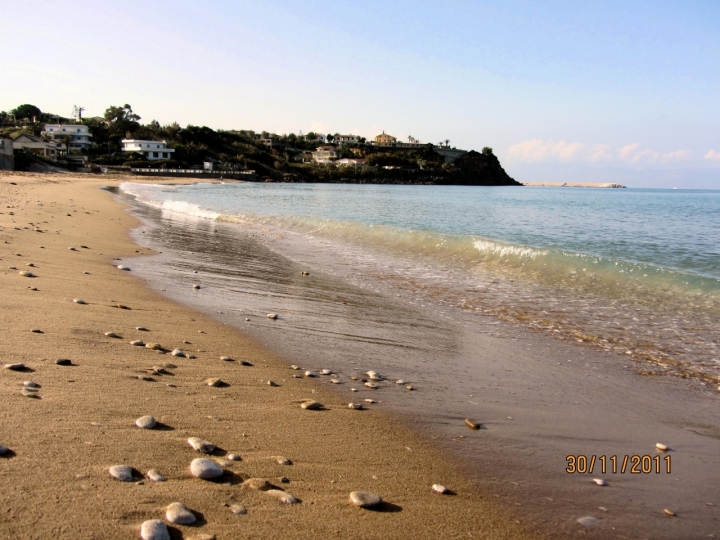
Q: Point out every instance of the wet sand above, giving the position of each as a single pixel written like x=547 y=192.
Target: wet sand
x=62 y=443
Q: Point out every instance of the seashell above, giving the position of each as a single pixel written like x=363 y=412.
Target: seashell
x=472 y=425
x=79 y=301
x=662 y=447
x=200 y=445
x=669 y=513
x=310 y=405
x=309 y=373
x=437 y=488
x=599 y=481
x=356 y=406
x=272 y=316
x=137 y=343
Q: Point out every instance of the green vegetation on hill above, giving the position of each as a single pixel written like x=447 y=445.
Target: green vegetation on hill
x=279 y=158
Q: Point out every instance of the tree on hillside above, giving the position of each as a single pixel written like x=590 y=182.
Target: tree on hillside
x=330 y=137
x=121 y=120
x=26 y=111
x=487 y=151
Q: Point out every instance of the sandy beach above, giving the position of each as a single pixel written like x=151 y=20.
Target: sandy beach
x=537 y=399
x=63 y=438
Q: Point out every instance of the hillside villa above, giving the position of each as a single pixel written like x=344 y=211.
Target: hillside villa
x=37 y=145
x=76 y=135
x=152 y=150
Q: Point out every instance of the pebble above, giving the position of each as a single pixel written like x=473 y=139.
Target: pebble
x=353 y=389
x=297 y=376
x=180 y=514
x=365 y=499
x=272 y=316
x=410 y=387
x=400 y=381
x=284 y=480
x=63 y=362
x=472 y=425
x=153 y=346
x=12 y=267
x=370 y=401
x=137 y=343
x=260 y=484
x=356 y=406
x=15 y=367
x=309 y=373
x=311 y=404
x=669 y=513
x=233 y=457
x=191 y=356
x=293 y=366
x=353 y=378
x=588 y=521
x=79 y=301
x=226 y=359
x=141 y=329
x=30 y=384
x=335 y=381
x=205 y=468
x=3 y=450
x=327 y=372
x=200 y=445
x=25 y=273
x=213 y=381
x=600 y=481
x=154 y=529
x=282 y=460
x=146 y=422
x=29 y=392
x=72 y=249
x=437 y=488
x=662 y=447
x=282 y=496
x=238 y=509
x=86 y=273
x=374 y=376
x=178 y=352
x=111 y=335
x=155 y=476
x=304 y=273
x=121 y=472
x=372 y=385
x=122 y=267
x=272 y=383
x=196 y=286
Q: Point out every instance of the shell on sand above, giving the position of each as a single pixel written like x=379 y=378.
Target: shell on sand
x=669 y=513
x=201 y=445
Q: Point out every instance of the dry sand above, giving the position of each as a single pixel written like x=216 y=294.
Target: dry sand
x=55 y=476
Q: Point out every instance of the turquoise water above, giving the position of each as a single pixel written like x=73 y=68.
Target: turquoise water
x=631 y=269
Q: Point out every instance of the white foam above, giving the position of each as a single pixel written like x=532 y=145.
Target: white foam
x=486 y=246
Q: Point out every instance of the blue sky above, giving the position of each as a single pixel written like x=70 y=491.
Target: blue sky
x=583 y=91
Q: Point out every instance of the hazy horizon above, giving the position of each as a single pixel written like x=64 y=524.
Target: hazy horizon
x=565 y=92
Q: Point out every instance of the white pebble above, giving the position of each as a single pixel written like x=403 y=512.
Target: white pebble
x=30 y=384
x=282 y=460
x=662 y=447
x=238 y=509
x=122 y=267
x=111 y=335
x=400 y=381
x=309 y=373
x=365 y=499
x=205 y=468
x=79 y=301
x=178 y=352
x=370 y=401
x=327 y=372
x=356 y=406
x=154 y=529
x=200 y=445
x=437 y=488
x=155 y=476
x=137 y=343
x=311 y=404
x=372 y=385
x=179 y=513
x=282 y=496
x=196 y=286
x=233 y=457
x=121 y=472
x=353 y=389
x=600 y=481
x=146 y=422
x=588 y=521
x=272 y=316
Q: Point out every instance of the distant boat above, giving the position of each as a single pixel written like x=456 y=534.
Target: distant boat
x=675 y=188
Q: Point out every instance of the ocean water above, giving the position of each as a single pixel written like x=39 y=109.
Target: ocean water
x=634 y=271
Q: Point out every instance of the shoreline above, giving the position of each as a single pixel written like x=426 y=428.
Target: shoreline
x=84 y=420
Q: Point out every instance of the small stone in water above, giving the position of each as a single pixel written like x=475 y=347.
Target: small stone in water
x=311 y=404
x=79 y=301
x=146 y=422
x=200 y=445
x=137 y=343
x=121 y=472
x=238 y=509
x=155 y=476
x=63 y=362
x=600 y=481
x=111 y=335
x=154 y=529
x=205 y=468
x=282 y=496
x=356 y=406
x=178 y=352
x=437 y=488
x=179 y=513
x=365 y=499
x=272 y=316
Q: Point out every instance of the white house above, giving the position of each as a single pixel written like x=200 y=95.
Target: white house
x=324 y=154
x=78 y=133
x=36 y=145
x=151 y=149
x=350 y=162
x=346 y=139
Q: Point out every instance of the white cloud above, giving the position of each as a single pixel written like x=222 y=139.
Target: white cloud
x=712 y=155
x=540 y=150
